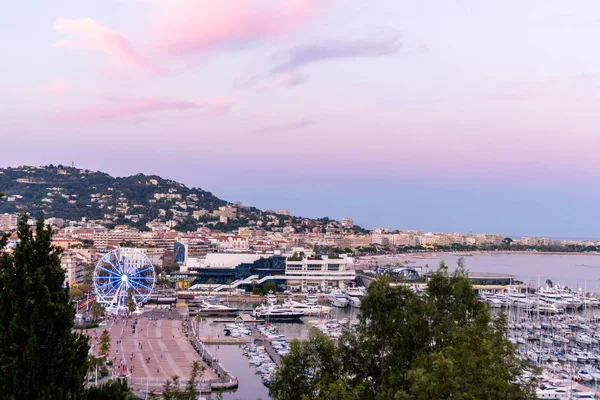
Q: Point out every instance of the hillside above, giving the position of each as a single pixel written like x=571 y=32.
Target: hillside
x=72 y=194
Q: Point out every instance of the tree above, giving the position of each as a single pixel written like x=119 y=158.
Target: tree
x=75 y=293
x=549 y=283
x=88 y=273
x=172 y=389
x=111 y=390
x=41 y=357
x=440 y=345
x=229 y=282
x=104 y=343
x=269 y=287
x=97 y=311
x=210 y=283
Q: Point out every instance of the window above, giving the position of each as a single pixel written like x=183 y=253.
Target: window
x=294 y=267
x=314 y=267
x=333 y=267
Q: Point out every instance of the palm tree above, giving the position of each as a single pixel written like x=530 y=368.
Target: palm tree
x=549 y=283
x=210 y=283
x=104 y=343
x=229 y=282
x=97 y=311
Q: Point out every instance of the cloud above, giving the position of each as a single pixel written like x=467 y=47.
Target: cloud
x=91 y=35
x=286 y=80
x=186 y=26
x=287 y=126
x=335 y=50
x=56 y=86
x=136 y=109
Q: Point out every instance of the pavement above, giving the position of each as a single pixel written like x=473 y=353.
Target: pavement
x=162 y=341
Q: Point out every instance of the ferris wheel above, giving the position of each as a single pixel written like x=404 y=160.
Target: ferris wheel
x=123 y=278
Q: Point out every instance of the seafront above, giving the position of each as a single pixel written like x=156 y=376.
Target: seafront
x=158 y=349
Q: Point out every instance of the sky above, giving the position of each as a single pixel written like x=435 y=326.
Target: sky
x=435 y=115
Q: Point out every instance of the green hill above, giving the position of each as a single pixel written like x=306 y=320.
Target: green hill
x=72 y=194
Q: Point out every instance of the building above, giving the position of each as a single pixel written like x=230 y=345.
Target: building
x=348 y=223
x=8 y=222
x=318 y=273
x=73 y=264
x=240 y=270
x=194 y=247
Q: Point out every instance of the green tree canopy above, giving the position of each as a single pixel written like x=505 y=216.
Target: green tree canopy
x=442 y=344
x=40 y=355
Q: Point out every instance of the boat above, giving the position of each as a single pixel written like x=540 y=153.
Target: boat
x=311 y=298
x=277 y=313
x=354 y=295
x=205 y=309
x=271 y=298
x=338 y=300
x=308 y=309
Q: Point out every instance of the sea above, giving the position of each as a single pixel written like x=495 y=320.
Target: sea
x=579 y=272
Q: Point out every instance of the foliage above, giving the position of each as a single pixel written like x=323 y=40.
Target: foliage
x=440 y=345
x=111 y=390
x=104 y=343
x=172 y=389
x=269 y=287
x=41 y=357
x=75 y=293
x=97 y=310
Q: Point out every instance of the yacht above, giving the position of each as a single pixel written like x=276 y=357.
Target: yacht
x=205 y=309
x=271 y=298
x=338 y=300
x=354 y=295
x=308 y=309
x=277 y=313
x=311 y=298
x=551 y=297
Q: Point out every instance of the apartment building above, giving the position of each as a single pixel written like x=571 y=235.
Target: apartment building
x=8 y=222
x=73 y=264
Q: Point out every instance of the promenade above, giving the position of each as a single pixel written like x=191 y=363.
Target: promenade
x=157 y=350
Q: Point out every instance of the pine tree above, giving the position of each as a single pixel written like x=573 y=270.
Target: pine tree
x=40 y=355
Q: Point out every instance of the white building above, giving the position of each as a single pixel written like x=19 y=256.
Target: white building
x=319 y=273
x=347 y=222
x=8 y=222
x=232 y=243
x=73 y=264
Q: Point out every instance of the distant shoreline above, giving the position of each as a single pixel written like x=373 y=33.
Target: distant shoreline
x=484 y=252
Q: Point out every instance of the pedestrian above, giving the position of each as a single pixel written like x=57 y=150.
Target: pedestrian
x=157 y=371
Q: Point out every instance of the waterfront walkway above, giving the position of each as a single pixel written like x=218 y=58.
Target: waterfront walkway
x=157 y=350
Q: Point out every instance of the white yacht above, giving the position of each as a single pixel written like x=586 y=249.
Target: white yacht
x=311 y=298
x=519 y=299
x=338 y=300
x=308 y=309
x=277 y=313
x=354 y=295
x=271 y=298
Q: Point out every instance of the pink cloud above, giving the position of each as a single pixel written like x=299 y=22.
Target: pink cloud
x=193 y=26
x=91 y=35
x=56 y=86
x=136 y=109
x=292 y=126
x=287 y=80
